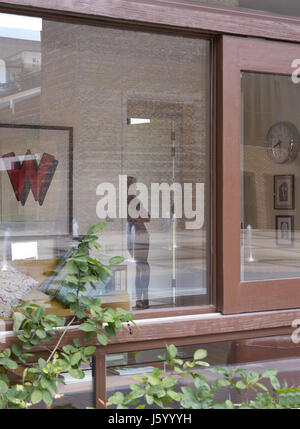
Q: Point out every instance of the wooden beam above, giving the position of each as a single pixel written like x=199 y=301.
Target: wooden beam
x=197 y=328
x=171 y=13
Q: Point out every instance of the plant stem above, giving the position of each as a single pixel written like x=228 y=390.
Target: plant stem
x=60 y=339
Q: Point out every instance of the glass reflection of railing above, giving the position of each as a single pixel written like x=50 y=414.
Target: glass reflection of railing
x=9 y=88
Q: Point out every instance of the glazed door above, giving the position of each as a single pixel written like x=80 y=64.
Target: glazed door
x=260 y=175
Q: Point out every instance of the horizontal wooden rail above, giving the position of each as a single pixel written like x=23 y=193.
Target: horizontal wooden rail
x=191 y=329
x=171 y=13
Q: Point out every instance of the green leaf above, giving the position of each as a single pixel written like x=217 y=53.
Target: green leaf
x=269 y=373
x=71 y=267
x=16 y=350
x=262 y=387
x=169 y=382
x=71 y=297
x=108 y=270
x=69 y=349
x=3 y=387
x=102 y=338
x=219 y=406
x=110 y=330
x=116 y=398
x=202 y=363
x=3 y=402
x=41 y=334
x=275 y=383
x=45 y=383
x=116 y=260
x=252 y=376
x=76 y=373
x=18 y=319
x=47 y=398
x=71 y=278
x=200 y=354
x=75 y=358
x=42 y=363
x=153 y=379
x=36 y=396
x=96 y=228
x=90 y=350
x=149 y=399
x=85 y=300
x=241 y=385
x=6 y=352
x=87 y=327
x=9 y=363
x=176 y=396
x=221 y=382
x=77 y=342
x=57 y=320
x=172 y=350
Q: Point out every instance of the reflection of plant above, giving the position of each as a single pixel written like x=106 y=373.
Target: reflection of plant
x=161 y=389
x=15 y=75
x=33 y=327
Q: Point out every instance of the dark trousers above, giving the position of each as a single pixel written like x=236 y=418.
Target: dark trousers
x=142 y=280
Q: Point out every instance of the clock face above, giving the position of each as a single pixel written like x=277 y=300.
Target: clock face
x=283 y=142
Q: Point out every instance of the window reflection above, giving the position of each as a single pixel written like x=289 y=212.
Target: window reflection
x=270 y=177
x=82 y=106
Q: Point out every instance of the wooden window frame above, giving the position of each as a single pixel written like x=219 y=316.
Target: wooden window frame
x=191 y=16
x=257 y=55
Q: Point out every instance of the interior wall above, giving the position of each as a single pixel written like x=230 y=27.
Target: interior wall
x=90 y=74
x=268 y=99
x=92 y=79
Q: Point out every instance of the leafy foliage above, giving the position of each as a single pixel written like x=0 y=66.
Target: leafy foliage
x=33 y=327
x=165 y=391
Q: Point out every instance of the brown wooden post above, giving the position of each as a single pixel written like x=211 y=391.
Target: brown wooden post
x=99 y=381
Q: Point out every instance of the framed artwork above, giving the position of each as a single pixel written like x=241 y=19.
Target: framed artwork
x=36 y=189
x=284 y=192
x=284 y=230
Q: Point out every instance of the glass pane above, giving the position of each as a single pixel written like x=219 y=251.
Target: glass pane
x=258 y=354
x=85 y=114
x=122 y=368
x=270 y=176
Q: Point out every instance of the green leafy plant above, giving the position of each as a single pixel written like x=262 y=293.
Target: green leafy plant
x=33 y=327
x=163 y=387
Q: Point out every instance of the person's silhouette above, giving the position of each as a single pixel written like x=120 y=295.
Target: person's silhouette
x=138 y=247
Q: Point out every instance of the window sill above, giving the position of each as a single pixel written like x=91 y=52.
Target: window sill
x=187 y=329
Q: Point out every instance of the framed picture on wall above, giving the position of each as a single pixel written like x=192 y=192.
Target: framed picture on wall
x=284 y=230
x=36 y=180
x=284 y=192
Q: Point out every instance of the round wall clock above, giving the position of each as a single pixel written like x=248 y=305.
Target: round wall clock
x=283 y=142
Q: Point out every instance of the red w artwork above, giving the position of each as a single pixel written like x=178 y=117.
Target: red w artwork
x=29 y=175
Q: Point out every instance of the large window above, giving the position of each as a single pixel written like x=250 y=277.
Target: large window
x=87 y=112
x=260 y=175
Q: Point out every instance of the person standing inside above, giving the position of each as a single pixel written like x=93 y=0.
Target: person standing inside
x=138 y=242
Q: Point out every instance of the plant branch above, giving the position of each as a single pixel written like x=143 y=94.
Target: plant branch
x=60 y=339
